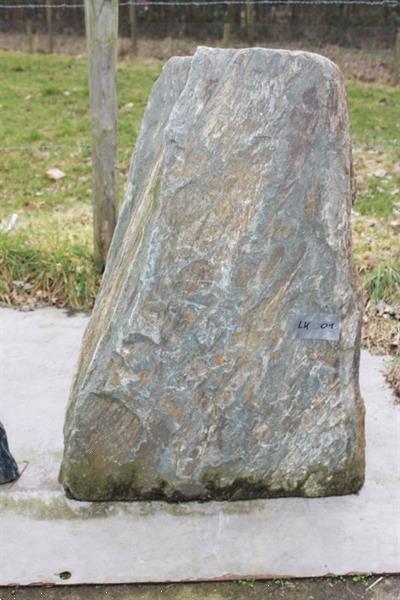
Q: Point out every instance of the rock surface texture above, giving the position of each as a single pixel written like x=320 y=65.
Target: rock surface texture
x=8 y=466
x=194 y=381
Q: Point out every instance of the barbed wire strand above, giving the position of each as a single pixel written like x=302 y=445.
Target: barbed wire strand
x=200 y=3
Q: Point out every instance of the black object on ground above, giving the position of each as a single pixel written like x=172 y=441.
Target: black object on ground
x=8 y=466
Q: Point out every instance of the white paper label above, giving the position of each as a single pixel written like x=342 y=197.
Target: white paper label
x=316 y=327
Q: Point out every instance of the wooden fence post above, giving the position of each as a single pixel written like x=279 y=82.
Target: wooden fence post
x=133 y=28
x=101 y=17
x=49 y=20
x=396 y=60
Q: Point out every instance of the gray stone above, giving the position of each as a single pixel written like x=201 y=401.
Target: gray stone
x=8 y=466
x=193 y=382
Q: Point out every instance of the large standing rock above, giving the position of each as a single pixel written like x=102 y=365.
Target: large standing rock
x=221 y=360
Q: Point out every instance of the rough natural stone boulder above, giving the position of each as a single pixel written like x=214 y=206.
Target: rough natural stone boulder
x=221 y=359
x=8 y=466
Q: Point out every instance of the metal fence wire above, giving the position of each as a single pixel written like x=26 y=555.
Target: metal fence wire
x=200 y=3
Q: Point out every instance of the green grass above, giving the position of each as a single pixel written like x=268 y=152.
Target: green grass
x=44 y=108
x=376 y=198
x=44 y=122
x=60 y=274
x=375 y=112
x=375 y=124
x=383 y=283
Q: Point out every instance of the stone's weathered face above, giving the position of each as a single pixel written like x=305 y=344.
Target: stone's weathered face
x=191 y=383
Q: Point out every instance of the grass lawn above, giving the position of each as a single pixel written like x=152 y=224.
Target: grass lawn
x=44 y=123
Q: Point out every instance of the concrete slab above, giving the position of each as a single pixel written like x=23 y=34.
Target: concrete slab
x=46 y=538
